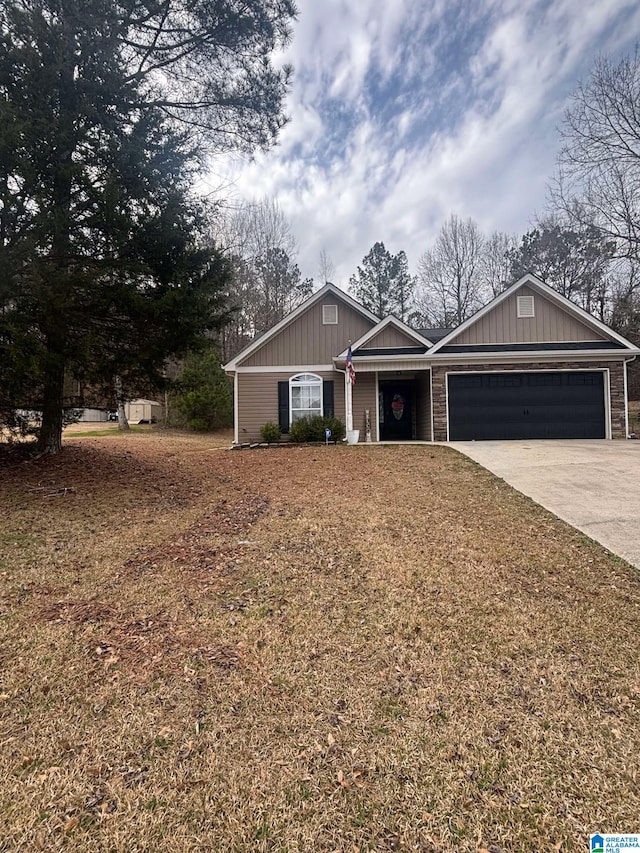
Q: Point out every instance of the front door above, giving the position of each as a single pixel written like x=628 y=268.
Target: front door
x=396 y=421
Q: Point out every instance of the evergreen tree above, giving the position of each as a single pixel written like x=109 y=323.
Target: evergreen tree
x=101 y=266
x=572 y=260
x=383 y=284
x=280 y=287
x=402 y=286
x=203 y=399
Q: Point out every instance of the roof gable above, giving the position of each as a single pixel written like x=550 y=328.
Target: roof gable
x=328 y=293
x=556 y=320
x=388 y=333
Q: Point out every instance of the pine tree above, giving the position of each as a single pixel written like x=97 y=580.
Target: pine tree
x=383 y=284
x=105 y=110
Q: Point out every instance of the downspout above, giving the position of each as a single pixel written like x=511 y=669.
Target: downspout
x=236 y=410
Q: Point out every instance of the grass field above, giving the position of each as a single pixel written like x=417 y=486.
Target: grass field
x=305 y=649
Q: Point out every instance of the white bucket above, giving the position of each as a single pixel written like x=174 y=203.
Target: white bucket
x=353 y=436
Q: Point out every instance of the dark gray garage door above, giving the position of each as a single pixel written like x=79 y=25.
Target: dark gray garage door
x=526 y=405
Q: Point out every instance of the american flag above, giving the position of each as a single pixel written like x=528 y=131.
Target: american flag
x=349 y=365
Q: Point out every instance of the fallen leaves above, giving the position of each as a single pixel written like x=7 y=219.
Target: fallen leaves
x=224 y=657
x=70 y=825
x=235 y=666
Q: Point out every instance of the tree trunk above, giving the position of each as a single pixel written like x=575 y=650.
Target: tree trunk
x=123 y=423
x=50 y=437
x=57 y=281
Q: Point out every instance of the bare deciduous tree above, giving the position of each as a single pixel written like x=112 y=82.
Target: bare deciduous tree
x=494 y=267
x=266 y=281
x=598 y=181
x=450 y=285
x=258 y=226
x=326 y=267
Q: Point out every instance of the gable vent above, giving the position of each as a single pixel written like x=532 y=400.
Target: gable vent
x=329 y=315
x=526 y=306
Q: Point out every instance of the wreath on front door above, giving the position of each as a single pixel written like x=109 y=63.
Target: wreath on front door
x=397 y=406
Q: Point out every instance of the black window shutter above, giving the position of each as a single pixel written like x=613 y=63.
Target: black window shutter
x=283 y=406
x=327 y=398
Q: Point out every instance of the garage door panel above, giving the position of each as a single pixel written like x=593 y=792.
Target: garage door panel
x=526 y=405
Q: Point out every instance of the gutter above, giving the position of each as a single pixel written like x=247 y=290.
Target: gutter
x=426 y=362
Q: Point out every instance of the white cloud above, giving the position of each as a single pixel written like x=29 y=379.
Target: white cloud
x=462 y=121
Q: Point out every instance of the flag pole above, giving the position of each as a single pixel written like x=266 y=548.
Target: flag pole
x=348 y=396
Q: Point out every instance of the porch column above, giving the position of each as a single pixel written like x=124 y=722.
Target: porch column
x=348 y=401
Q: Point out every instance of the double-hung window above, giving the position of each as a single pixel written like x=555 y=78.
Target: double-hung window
x=305 y=396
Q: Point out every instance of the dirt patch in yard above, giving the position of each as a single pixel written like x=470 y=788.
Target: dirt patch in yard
x=364 y=648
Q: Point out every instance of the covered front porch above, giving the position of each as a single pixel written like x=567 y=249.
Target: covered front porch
x=391 y=404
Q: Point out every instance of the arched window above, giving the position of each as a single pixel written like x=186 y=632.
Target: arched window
x=305 y=396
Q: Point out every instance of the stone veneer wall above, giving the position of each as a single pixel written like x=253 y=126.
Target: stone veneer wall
x=616 y=388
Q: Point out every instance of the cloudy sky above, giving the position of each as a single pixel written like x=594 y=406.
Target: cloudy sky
x=405 y=111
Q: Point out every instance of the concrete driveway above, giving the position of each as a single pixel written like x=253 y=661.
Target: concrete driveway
x=594 y=485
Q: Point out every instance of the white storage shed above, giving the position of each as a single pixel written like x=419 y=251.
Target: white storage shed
x=143 y=411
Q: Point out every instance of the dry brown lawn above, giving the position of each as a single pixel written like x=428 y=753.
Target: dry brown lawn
x=305 y=649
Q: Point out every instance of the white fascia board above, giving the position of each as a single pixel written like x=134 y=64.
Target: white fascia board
x=288 y=368
x=399 y=366
x=382 y=324
x=377 y=359
x=392 y=362
x=232 y=365
x=532 y=355
x=536 y=284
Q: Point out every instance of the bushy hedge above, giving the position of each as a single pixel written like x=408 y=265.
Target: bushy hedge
x=313 y=429
x=270 y=432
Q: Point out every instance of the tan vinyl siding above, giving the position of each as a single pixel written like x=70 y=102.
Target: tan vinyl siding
x=423 y=405
x=364 y=397
x=306 y=340
x=390 y=336
x=258 y=400
x=551 y=323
